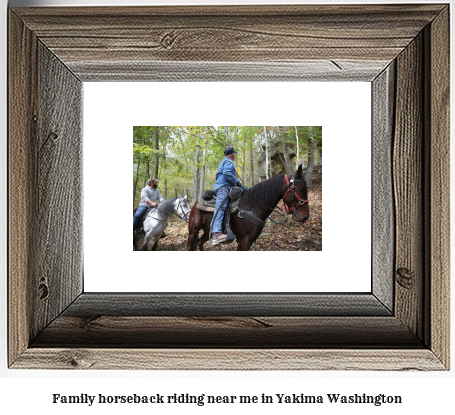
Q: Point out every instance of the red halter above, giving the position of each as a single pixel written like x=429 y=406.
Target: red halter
x=300 y=200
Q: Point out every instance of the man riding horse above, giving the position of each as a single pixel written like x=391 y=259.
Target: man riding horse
x=226 y=177
x=149 y=198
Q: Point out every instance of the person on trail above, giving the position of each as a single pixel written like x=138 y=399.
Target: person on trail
x=226 y=177
x=149 y=198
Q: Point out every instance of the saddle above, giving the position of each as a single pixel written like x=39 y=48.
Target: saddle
x=209 y=205
x=235 y=195
x=209 y=200
x=234 y=198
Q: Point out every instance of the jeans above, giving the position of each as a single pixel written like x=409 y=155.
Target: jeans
x=217 y=222
x=138 y=216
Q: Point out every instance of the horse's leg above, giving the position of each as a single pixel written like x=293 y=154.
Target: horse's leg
x=194 y=226
x=244 y=244
x=192 y=240
x=245 y=232
x=135 y=239
x=155 y=244
x=204 y=238
x=146 y=240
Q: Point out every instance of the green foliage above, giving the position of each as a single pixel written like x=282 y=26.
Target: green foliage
x=177 y=150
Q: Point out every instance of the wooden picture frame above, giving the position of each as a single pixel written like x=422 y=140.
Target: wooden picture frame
x=403 y=324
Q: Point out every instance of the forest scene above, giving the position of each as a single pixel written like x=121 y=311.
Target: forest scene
x=185 y=160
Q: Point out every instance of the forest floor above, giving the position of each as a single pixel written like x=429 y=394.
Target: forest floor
x=290 y=236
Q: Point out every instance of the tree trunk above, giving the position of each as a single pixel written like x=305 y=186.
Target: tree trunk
x=266 y=154
x=226 y=133
x=244 y=159
x=251 y=164
x=201 y=188
x=234 y=145
x=156 y=155
x=310 y=167
x=164 y=147
x=137 y=179
x=297 y=155
x=196 y=175
x=165 y=188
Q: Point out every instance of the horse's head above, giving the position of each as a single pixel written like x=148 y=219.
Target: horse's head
x=296 y=197
x=182 y=208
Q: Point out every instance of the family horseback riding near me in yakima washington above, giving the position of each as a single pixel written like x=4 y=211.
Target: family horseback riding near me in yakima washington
x=230 y=212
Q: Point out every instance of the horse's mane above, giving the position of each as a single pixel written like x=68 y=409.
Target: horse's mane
x=166 y=207
x=264 y=193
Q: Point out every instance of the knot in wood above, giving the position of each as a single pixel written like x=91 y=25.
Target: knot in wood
x=53 y=136
x=405 y=278
x=76 y=359
x=43 y=291
x=168 y=40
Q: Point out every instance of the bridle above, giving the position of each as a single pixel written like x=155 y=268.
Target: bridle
x=291 y=188
x=185 y=216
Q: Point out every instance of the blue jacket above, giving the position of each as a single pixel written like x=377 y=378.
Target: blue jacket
x=226 y=174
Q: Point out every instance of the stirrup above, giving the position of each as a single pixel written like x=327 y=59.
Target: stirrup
x=230 y=236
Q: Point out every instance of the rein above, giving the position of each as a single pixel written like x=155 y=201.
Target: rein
x=268 y=207
x=153 y=217
x=183 y=217
x=294 y=194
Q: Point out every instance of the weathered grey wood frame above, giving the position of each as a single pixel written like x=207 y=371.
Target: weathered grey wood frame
x=403 y=50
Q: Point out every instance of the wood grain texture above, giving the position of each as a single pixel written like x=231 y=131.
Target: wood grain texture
x=407 y=173
x=57 y=231
x=439 y=186
x=310 y=71
x=22 y=94
x=256 y=332
x=235 y=359
x=45 y=186
x=359 y=331
x=90 y=305
x=227 y=34
x=383 y=215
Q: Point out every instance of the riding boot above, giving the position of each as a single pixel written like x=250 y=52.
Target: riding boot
x=218 y=238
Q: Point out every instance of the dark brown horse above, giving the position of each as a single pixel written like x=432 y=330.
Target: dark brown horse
x=259 y=202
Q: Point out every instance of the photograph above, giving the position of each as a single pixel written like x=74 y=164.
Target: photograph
x=227 y=188
x=376 y=299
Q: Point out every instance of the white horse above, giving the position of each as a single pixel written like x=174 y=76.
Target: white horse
x=157 y=219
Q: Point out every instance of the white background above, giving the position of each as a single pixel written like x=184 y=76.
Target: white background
x=30 y=391
x=342 y=108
